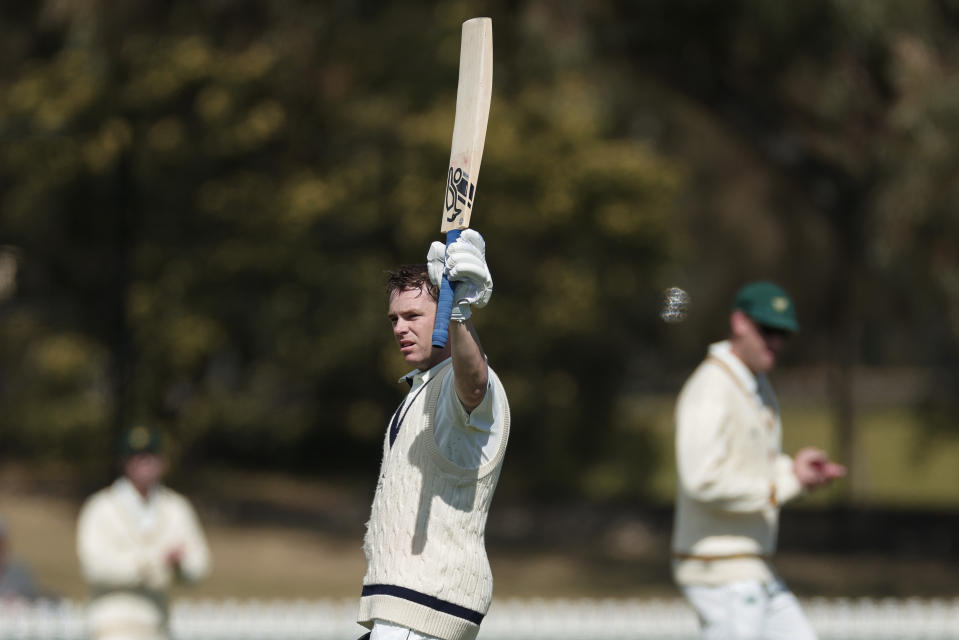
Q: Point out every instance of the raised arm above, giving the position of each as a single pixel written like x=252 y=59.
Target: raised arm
x=470 y=370
x=464 y=262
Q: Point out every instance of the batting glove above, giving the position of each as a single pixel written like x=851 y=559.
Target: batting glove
x=464 y=263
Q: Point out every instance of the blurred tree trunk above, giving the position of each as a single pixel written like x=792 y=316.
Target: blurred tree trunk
x=122 y=357
x=848 y=218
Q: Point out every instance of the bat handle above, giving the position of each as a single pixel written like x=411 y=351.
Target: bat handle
x=444 y=307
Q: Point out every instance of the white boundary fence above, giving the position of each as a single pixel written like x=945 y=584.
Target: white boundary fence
x=659 y=619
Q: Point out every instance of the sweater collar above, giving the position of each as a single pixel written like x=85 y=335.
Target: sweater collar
x=142 y=510
x=417 y=378
x=129 y=494
x=723 y=352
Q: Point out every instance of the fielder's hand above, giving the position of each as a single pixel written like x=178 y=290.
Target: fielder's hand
x=814 y=469
x=464 y=263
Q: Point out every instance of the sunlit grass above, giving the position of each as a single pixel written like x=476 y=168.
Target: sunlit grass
x=897 y=461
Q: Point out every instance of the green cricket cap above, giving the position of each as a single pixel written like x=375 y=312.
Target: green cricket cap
x=768 y=305
x=140 y=439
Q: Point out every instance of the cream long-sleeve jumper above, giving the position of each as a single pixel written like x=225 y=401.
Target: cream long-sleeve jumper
x=733 y=476
x=123 y=541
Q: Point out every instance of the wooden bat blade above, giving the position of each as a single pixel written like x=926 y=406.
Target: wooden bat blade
x=473 y=93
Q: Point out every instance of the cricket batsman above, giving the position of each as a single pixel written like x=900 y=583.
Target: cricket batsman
x=428 y=576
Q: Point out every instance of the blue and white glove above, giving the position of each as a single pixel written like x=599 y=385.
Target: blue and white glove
x=464 y=263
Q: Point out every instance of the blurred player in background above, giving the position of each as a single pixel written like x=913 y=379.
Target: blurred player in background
x=16 y=579
x=733 y=478
x=427 y=571
x=136 y=538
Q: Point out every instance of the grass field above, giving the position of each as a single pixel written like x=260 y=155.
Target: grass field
x=250 y=560
x=281 y=537
x=899 y=461
x=319 y=557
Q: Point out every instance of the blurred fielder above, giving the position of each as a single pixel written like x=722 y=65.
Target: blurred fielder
x=427 y=575
x=135 y=538
x=733 y=478
x=17 y=583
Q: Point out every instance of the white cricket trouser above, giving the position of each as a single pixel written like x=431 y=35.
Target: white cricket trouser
x=383 y=630
x=749 y=610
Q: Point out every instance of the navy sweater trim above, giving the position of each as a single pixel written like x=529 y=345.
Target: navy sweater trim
x=424 y=599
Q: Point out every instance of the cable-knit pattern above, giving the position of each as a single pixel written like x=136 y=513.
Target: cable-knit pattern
x=426 y=529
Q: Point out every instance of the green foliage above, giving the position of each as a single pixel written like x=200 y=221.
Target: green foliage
x=206 y=194
x=207 y=201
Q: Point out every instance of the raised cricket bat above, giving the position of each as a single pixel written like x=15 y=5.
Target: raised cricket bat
x=466 y=152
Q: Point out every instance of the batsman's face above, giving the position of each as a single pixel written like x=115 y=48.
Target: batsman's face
x=757 y=346
x=411 y=312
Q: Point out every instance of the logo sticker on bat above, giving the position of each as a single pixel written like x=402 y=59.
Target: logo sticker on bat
x=459 y=193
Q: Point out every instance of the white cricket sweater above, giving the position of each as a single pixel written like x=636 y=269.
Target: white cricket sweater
x=122 y=543
x=427 y=564
x=732 y=473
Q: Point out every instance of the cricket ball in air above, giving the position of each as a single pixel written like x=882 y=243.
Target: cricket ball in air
x=675 y=305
